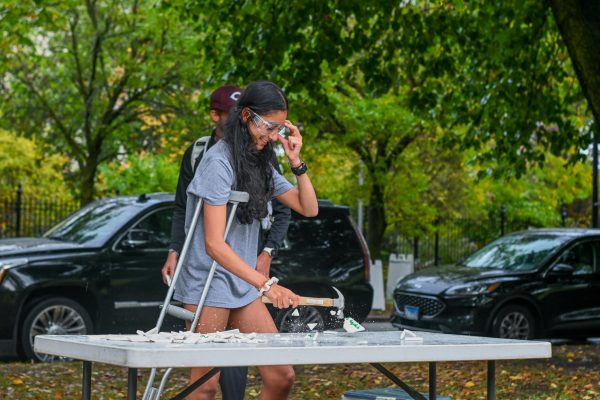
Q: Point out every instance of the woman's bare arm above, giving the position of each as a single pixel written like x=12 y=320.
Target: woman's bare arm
x=302 y=200
x=214 y=230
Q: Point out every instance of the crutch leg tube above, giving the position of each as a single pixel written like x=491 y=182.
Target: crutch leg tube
x=235 y=199
x=180 y=261
x=213 y=267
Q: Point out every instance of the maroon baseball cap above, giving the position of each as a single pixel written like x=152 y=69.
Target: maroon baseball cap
x=225 y=98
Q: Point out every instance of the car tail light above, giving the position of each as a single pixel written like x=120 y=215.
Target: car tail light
x=365 y=249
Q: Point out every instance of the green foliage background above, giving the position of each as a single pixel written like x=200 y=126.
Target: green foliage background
x=452 y=109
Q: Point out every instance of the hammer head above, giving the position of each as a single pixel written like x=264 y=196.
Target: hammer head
x=339 y=303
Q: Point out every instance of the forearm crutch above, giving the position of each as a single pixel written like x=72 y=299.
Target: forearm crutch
x=235 y=198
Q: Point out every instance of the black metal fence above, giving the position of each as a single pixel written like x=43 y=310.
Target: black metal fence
x=25 y=215
x=453 y=240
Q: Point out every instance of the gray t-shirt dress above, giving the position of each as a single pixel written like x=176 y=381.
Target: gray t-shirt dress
x=213 y=182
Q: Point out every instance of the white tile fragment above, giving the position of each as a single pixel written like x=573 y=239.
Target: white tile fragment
x=351 y=326
x=295 y=313
x=230 y=336
x=311 y=326
x=410 y=336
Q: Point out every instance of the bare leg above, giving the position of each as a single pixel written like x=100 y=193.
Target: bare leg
x=212 y=319
x=277 y=379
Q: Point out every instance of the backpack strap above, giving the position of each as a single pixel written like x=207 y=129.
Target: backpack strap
x=200 y=147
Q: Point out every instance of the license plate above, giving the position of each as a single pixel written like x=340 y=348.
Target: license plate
x=411 y=312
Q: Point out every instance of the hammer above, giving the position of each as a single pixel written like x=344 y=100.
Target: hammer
x=320 y=302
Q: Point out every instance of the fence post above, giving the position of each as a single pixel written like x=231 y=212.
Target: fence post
x=563 y=215
x=18 y=209
x=502 y=219
x=436 y=249
x=416 y=249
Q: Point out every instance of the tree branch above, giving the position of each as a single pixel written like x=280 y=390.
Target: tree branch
x=75 y=53
x=79 y=154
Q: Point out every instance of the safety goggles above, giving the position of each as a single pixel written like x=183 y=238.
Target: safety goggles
x=270 y=127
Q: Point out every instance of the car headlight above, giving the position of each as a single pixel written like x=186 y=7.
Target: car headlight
x=472 y=289
x=9 y=263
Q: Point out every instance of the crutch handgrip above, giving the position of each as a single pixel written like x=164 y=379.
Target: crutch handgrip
x=180 y=312
x=238 y=197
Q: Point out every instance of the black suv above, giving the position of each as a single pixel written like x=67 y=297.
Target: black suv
x=98 y=271
x=536 y=283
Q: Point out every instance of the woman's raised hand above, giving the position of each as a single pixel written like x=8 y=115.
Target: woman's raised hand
x=292 y=144
x=282 y=297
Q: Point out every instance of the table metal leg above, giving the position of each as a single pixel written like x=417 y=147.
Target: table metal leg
x=411 y=392
x=86 y=384
x=491 y=380
x=432 y=381
x=131 y=383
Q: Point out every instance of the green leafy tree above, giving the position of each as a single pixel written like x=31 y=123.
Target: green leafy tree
x=489 y=76
x=536 y=198
x=24 y=162
x=94 y=78
x=139 y=173
x=45 y=197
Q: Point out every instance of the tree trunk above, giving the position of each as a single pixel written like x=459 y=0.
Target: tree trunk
x=579 y=25
x=376 y=222
x=86 y=182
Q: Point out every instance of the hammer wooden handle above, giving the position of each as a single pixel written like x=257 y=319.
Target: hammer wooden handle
x=307 y=301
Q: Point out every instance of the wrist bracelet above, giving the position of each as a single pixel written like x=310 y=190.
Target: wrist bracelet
x=267 y=285
x=300 y=169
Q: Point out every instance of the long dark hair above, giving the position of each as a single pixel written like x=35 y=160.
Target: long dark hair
x=252 y=167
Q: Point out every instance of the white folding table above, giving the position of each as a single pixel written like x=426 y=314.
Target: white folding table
x=292 y=349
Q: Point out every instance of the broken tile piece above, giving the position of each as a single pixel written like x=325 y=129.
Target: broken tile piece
x=311 y=326
x=351 y=326
x=295 y=313
x=410 y=336
x=332 y=312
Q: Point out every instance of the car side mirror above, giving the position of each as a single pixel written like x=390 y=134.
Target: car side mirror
x=562 y=270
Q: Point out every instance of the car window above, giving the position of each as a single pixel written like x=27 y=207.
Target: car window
x=581 y=257
x=327 y=230
x=515 y=252
x=95 y=223
x=152 y=232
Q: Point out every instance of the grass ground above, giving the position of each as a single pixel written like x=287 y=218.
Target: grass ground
x=572 y=373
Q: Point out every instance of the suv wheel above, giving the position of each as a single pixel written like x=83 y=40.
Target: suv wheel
x=288 y=323
x=514 y=322
x=53 y=316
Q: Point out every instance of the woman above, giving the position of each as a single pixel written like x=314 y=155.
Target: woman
x=241 y=162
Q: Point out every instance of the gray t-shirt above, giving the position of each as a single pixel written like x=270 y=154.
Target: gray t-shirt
x=213 y=182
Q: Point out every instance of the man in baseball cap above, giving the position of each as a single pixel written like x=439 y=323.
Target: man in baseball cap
x=225 y=98
x=222 y=100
